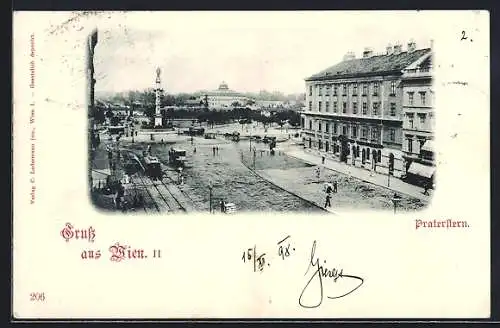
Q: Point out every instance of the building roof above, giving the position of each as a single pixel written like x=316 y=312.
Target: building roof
x=374 y=65
x=224 y=90
x=423 y=62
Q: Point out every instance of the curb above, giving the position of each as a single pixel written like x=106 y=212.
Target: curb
x=291 y=192
x=356 y=177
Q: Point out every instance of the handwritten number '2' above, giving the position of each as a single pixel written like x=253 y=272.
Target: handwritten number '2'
x=463 y=36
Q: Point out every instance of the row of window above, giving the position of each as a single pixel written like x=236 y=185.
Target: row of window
x=364 y=110
x=354 y=150
x=410 y=119
x=423 y=97
x=410 y=144
x=354 y=131
x=345 y=86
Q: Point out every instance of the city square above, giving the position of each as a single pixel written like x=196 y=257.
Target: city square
x=358 y=138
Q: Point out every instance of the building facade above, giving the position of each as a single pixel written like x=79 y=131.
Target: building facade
x=91 y=44
x=223 y=98
x=354 y=109
x=418 y=113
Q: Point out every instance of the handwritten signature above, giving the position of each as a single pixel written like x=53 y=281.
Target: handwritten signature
x=320 y=273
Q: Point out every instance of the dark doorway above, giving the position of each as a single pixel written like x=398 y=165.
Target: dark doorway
x=344 y=149
x=363 y=155
x=374 y=159
x=391 y=164
x=327 y=146
x=309 y=142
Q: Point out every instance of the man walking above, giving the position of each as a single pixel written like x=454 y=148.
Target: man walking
x=426 y=188
x=328 y=196
x=318 y=173
x=335 y=186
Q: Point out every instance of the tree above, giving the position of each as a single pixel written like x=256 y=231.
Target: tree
x=115 y=120
x=149 y=111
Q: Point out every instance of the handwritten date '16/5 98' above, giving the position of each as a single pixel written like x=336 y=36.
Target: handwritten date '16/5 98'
x=331 y=276
x=259 y=259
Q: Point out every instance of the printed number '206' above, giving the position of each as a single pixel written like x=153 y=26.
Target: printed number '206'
x=37 y=297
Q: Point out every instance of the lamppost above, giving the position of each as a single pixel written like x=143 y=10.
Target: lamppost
x=395 y=200
x=210 y=197
x=388 y=178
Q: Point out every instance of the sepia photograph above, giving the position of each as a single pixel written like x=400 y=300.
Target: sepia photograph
x=222 y=120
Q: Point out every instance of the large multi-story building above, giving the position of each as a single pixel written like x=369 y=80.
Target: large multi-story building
x=223 y=98
x=418 y=114
x=354 y=108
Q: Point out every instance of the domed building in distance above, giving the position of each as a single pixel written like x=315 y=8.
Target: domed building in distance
x=223 y=98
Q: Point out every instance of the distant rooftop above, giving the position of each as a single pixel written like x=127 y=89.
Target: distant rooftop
x=369 y=66
x=224 y=90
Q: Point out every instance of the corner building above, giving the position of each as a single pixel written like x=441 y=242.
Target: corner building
x=419 y=118
x=354 y=109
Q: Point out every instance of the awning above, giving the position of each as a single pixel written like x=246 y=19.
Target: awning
x=428 y=146
x=421 y=170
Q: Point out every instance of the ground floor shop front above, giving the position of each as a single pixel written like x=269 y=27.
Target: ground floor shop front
x=368 y=155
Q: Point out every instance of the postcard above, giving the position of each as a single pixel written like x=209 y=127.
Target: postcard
x=294 y=164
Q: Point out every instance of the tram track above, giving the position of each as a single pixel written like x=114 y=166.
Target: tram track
x=136 y=188
x=161 y=194
x=165 y=187
x=149 y=192
x=181 y=191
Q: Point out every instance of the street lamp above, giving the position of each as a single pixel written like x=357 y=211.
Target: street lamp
x=395 y=200
x=210 y=197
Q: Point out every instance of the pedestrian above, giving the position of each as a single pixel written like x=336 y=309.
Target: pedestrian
x=222 y=206
x=213 y=150
x=335 y=186
x=322 y=159
x=328 y=196
x=194 y=150
x=426 y=188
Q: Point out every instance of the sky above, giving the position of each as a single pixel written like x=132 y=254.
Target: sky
x=250 y=51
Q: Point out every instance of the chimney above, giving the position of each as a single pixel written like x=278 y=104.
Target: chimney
x=349 y=56
x=412 y=46
x=397 y=49
x=367 y=53
x=388 y=49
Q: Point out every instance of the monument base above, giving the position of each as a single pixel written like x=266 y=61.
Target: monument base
x=158 y=121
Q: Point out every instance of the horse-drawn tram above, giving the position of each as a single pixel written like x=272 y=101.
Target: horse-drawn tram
x=153 y=167
x=177 y=157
